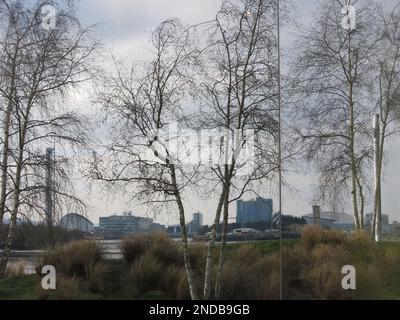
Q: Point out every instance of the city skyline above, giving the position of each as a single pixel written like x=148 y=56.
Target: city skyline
x=126 y=29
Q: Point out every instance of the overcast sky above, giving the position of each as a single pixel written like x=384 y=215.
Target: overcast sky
x=125 y=27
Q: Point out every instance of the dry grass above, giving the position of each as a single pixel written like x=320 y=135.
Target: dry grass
x=175 y=283
x=313 y=236
x=147 y=272
x=40 y=293
x=312 y=269
x=67 y=288
x=96 y=274
x=74 y=259
x=158 y=244
x=249 y=274
x=324 y=276
x=156 y=263
x=132 y=248
x=15 y=270
x=78 y=260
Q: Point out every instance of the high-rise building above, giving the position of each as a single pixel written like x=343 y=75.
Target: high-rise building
x=258 y=210
x=198 y=218
x=196 y=224
x=369 y=217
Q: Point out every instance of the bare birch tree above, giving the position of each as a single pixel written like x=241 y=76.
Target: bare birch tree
x=12 y=43
x=51 y=62
x=332 y=74
x=387 y=91
x=240 y=99
x=143 y=103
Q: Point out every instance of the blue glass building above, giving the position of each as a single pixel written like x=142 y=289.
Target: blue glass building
x=258 y=210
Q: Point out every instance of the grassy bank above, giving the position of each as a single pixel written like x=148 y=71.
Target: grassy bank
x=153 y=269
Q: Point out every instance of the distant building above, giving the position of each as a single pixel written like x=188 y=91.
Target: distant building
x=245 y=231
x=369 y=217
x=368 y=221
x=196 y=224
x=327 y=222
x=295 y=228
x=174 y=229
x=76 y=222
x=156 y=227
x=331 y=219
x=256 y=210
x=198 y=218
x=118 y=226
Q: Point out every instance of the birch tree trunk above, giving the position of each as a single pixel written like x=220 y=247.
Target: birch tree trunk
x=353 y=164
x=14 y=212
x=6 y=136
x=211 y=245
x=185 y=245
x=377 y=226
x=362 y=201
x=4 y=162
x=221 y=262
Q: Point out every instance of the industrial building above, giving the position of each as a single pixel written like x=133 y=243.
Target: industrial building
x=330 y=219
x=258 y=210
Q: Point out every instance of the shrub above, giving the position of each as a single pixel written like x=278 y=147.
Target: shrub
x=78 y=260
x=96 y=275
x=156 y=263
x=159 y=244
x=75 y=259
x=370 y=281
x=324 y=276
x=312 y=269
x=40 y=293
x=165 y=249
x=315 y=235
x=134 y=247
x=15 y=270
x=361 y=247
x=147 y=272
x=198 y=254
x=67 y=288
x=248 y=274
x=175 y=283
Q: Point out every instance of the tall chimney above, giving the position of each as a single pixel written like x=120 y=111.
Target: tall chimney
x=316 y=215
